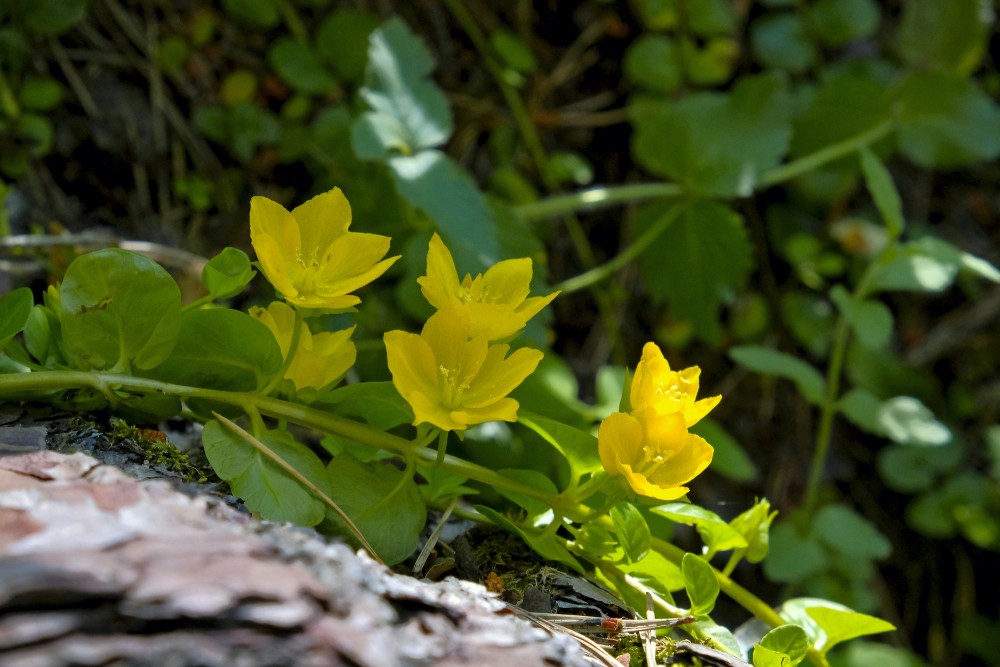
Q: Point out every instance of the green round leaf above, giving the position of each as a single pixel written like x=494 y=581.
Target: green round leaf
x=218 y=348
x=514 y=51
x=847 y=532
x=119 y=310
x=40 y=94
x=651 y=62
x=791 y=556
x=788 y=639
x=264 y=486
x=700 y=583
x=386 y=507
x=258 y=13
x=298 y=65
x=837 y=22
x=951 y=34
x=227 y=273
x=780 y=41
x=15 y=309
x=342 y=42
x=49 y=18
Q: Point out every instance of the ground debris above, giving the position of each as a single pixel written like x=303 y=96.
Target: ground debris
x=99 y=568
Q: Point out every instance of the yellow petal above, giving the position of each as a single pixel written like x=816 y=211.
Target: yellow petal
x=504 y=409
x=619 y=440
x=322 y=358
x=692 y=458
x=323 y=219
x=412 y=364
x=276 y=266
x=507 y=281
x=499 y=376
x=440 y=286
x=269 y=218
x=644 y=487
x=430 y=412
x=351 y=262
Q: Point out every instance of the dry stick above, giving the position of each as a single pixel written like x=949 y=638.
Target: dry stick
x=649 y=637
x=433 y=539
x=302 y=479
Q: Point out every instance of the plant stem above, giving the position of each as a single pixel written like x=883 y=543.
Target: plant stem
x=8 y=102
x=636 y=192
x=599 y=273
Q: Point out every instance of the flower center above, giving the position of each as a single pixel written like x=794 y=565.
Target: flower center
x=455 y=384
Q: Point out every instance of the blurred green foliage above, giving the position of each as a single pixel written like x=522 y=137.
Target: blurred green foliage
x=816 y=199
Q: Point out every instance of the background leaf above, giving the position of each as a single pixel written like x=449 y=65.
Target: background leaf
x=377 y=403
x=871 y=321
x=950 y=34
x=710 y=257
x=884 y=193
x=227 y=273
x=713 y=143
x=773 y=362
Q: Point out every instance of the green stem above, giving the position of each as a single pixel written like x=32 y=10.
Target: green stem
x=20 y=384
x=599 y=273
x=830 y=407
x=636 y=192
x=442 y=447
x=293 y=21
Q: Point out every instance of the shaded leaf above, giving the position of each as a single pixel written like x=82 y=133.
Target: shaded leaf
x=715 y=533
x=871 y=321
x=227 y=273
x=792 y=556
x=578 y=447
x=377 y=403
x=730 y=459
x=15 y=309
x=263 y=485
x=884 y=193
x=632 y=531
x=382 y=501
x=544 y=542
x=298 y=66
x=949 y=34
x=845 y=531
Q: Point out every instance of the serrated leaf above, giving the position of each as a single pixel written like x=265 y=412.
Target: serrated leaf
x=716 y=144
x=950 y=34
x=700 y=583
x=382 y=501
x=578 y=447
x=218 y=348
x=377 y=403
x=790 y=640
x=845 y=531
x=408 y=111
x=632 y=531
x=715 y=533
x=847 y=104
x=701 y=256
x=15 y=309
x=119 y=310
x=871 y=321
x=768 y=361
x=884 y=193
x=432 y=181
x=227 y=273
x=946 y=120
x=264 y=486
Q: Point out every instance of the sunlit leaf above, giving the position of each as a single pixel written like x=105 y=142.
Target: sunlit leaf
x=716 y=533
x=791 y=640
x=632 y=531
x=828 y=623
x=701 y=584
x=542 y=541
x=578 y=447
x=227 y=273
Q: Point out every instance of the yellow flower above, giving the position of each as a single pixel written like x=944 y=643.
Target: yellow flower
x=453 y=380
x=655 y=384
x=320 y=359
x=309 y=256
x=654 y=452
x=497 y=301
